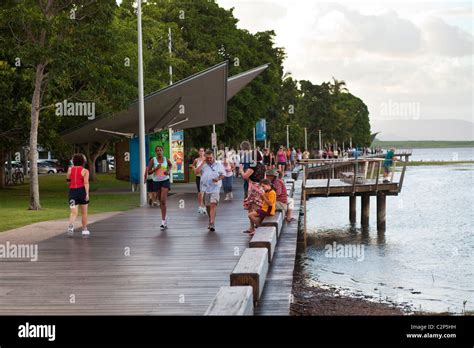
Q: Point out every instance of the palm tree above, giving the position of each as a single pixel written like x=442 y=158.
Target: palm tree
x=338 y=86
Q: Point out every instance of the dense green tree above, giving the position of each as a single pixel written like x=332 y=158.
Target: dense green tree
x=66 y=48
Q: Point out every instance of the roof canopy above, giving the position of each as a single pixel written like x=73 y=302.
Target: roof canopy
x=196 y=101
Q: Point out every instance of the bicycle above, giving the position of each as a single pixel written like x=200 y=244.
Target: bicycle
x=17 y=178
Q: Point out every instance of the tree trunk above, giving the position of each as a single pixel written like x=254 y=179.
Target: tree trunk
x=35 y=111
x=92 y=174
x=3 y=158
x=92 y=152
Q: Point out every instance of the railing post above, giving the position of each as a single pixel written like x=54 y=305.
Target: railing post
x=393 y=170
x=400 y=183
x=329 y=179
x=366 y=167
x=305 y=212
x=377 y=178
x=354 y=178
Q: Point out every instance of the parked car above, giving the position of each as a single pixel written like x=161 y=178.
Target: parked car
x=46 y=168
x=59 y=168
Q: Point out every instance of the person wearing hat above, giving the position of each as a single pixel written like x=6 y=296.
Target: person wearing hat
x=283 y=203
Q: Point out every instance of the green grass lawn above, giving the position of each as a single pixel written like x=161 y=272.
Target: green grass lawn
x=54 y=201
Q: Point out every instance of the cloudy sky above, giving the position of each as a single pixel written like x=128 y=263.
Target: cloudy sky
x=405 y=59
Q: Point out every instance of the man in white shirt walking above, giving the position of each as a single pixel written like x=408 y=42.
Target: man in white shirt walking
x=212 y=173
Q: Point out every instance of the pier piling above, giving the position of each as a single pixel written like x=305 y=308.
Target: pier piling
x=352 y=209
x=364 y=216
x=381 y=200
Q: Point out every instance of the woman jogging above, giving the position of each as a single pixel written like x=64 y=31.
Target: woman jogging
x=78 y=178
x=197 y=162
x=281 y=159
x=160 y=167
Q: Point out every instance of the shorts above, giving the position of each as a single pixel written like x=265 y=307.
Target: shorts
x=158 y=185
x=149 y=186
x=291 y=203
x=386 y=168
x=282 y=206
x=282 y=163
x=262 y=214
x=77 y=196
x=198 y=183
x=211 y=198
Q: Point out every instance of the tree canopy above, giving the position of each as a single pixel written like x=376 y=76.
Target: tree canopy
x=86 y=50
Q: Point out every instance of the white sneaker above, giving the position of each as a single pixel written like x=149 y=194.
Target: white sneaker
x=200 y=210
x=226 y=197
x=164 y=224
x=86 y=233
x=231 y=195
x=70 y=230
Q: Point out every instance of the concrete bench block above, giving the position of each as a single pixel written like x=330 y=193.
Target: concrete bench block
x=265 y=237
x=275 y=220
x=232 y=300
x=251 y=269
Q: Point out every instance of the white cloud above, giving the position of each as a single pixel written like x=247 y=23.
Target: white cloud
x=445 y=39
x=384 y=50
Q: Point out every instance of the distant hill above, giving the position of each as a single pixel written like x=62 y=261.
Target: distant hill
x=433 y=129
x=420 y=144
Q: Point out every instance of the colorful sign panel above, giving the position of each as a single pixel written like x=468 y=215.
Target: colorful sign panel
x=177 y=155
x=261 y=130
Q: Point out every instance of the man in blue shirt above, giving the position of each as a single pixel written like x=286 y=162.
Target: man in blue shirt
x=387 y=164
x=212 y=173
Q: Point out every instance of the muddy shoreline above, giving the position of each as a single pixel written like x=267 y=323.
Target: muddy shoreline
x=316 y=300
x=310 y=298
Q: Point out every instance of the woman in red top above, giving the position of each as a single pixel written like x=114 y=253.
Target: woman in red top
x=78 y=178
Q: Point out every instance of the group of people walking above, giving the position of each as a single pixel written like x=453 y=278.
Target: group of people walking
x=264 y=191
x=284 y=159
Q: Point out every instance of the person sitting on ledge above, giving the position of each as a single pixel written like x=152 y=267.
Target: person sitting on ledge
x=283 y=202
x=267 y=209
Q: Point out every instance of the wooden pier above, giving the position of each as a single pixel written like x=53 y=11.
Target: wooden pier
x=354 y=178
x=129 y=267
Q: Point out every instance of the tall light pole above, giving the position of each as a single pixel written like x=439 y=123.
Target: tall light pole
x=287 y=136
x=141 y=108
x=170 y=129
x=320 y=145
x=254 y=139
x=171 y=54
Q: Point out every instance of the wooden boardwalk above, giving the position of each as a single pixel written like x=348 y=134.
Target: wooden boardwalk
x=172 y=272
x=277 y=294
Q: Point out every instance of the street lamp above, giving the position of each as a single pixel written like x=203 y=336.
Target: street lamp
x=141 y=109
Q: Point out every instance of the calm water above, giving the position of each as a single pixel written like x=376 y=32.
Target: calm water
x=447 y=154
x=425 y=257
